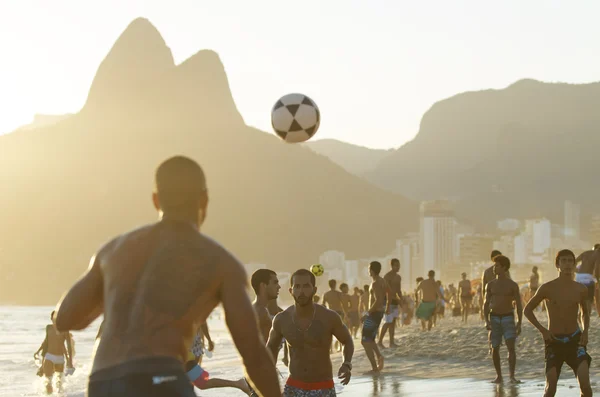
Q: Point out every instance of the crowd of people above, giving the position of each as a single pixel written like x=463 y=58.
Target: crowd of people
x=157 y=285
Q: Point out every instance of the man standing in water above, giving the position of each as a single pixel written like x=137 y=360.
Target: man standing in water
x=430 y=294
x=500 y=295
x=565 y=341
x=466 y=297
x=394 y=283
x=155 y=286
x=308 y=329
x=54 y=352
x=588 y=273
x=378 y=306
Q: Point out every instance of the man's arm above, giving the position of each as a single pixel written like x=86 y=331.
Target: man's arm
x=585 y=313
x=519 y=302
x=486 y=305
x=341 y=333
x=83 y=303
x=69 y=350
x=275 y=336
x=539 y=296
x=325 y=295
x=241 y=321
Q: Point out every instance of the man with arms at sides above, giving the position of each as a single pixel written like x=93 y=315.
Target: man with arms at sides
x=353 y=312
x=588 y=273
x=565 y=341
x=155 y=286
x=488 y=274
x=333 y=300
x=430 y=294
x=378 y=305
x=394 y=283
x=534 y=281
x=308 y=329
x=465 y=296
x=346 y=303
x=364 y=300
x=500 y=295
x=274 y=309
x=53 y=354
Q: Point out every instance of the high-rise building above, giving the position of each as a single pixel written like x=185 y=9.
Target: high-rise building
x=572 y=215
x=509 y=225
x=437 y=236
x=475 y=248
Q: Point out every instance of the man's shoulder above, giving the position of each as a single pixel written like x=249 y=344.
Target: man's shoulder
x=325 y=313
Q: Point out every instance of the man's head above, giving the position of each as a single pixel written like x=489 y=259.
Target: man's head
x=565 y=261
x=303 y=287
x=597 y=247
x=534 y=269
x=501 y=264
x=356 y=290
x=374 y=269
x=494 y=254
x=431 y=274
x=464 y=276
x=316 y=298
x=366 y=288
x=344 y=288
x=265 y=283
x=419 y=279
x=395 y=263
x=332 y=284
x=180 y=189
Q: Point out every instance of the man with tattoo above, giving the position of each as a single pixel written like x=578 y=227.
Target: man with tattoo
x=501 y=295
x=156 y=285
x=394 y=283
x=308 y=329
x=378 y=306
x=565 y=341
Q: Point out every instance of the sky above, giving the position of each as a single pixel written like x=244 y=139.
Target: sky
x=373 y=67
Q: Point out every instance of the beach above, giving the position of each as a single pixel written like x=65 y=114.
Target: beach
x=451 y=360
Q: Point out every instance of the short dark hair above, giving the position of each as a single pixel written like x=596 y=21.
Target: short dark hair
x=303 y=272
x=431 y=273
x=564 y=252
x=261 y=276
x=366 y=287
x=180 y=184
x=502 y=261
x=343 y=285
x=494 y=254
x=419 y=279
x=394 y=261
x=332 y=283
x=596 y=246
x=375 y=266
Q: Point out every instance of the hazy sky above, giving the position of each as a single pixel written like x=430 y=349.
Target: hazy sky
x=373 y=66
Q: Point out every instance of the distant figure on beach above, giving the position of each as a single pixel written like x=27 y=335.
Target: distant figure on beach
x=428 y=294
x=501 y=295
x=534 y=281
x=54 y=349
x=354 y=312
x=565 y=341
x=394 y=283
x=364 y=300
x=588 y=273
x=466 y=297
x=344 y=289
x=333 y=299
x=156 y=285
x=308 y=329
x=378 y=305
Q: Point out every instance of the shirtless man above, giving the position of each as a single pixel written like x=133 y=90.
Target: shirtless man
x=274 y=309
x=55 y=347
x=346 y=303
x=465 y=296
x=155 y=286
x=565 y=341
x=394 y=282
x=364 y=300
x=500 y=295
x=353 y=312
x=266 y=287
x=378 y=306
x=534 y=281
x=308 y=329
x=333 y=300
x=429 y=295
x=588 y=273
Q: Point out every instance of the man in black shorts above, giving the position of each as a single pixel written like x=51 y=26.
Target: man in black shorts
x=565 y=341
x=378 y=305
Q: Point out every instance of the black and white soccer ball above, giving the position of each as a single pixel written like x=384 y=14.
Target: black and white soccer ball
x=295 y=118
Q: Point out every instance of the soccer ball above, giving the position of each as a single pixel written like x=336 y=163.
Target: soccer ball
x=317 y=269
x=295 y=118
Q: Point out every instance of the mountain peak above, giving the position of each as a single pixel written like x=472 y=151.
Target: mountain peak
x=138 y=56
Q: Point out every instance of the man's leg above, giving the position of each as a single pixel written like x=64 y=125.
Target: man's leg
x=393 y=333
x=370 y=351
x=467 y=310
x=430 y=322
x=512 y=359
x=48 y=373
x=551 y=382
x=497 y=367
x=213 y=383
x=384 y=329
x=583 y=377
x=423 y=322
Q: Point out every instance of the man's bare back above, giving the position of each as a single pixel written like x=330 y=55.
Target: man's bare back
x=333 y=300
x=590 y=262
x=429 y=290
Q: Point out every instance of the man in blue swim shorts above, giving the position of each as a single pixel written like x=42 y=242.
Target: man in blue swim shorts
x=372 y=318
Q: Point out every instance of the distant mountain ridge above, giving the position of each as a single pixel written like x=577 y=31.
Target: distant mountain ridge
x=88 y=177
x=515 y=152
x=357 y=160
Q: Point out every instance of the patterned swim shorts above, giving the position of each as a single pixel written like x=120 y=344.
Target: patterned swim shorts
x=294 y=388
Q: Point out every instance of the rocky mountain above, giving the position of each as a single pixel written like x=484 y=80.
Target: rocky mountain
x=355 y=159
x=519 y=152
x=70 y=186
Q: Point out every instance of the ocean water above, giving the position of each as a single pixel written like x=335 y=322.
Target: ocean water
x=22 y=331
